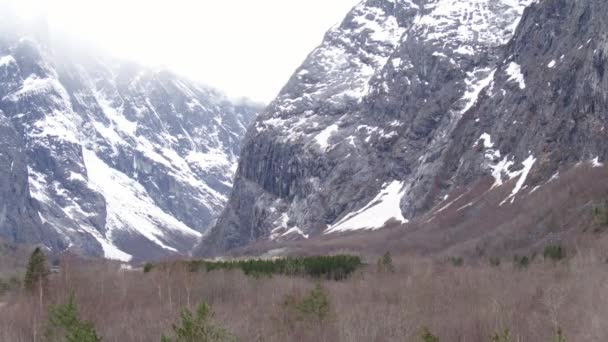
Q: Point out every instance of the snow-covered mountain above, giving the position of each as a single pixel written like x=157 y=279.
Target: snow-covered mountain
x=107 y=157
x=407 y=102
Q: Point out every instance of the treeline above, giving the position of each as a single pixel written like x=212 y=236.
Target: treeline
x=336 y=267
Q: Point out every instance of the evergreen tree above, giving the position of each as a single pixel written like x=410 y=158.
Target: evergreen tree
x=198 y=327
x=148 y=267
x=385 y=263
x=559 y=336
x=555 y=253
x=310 y=315
x=427 y=336
x=66 y=326
x=36 y=276
x=316 y=305
x=504 y=336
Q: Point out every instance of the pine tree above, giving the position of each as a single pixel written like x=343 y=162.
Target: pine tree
x=198 y=327
x=427 y=336
x=504 y=336
x=65 y=325
x=36 y=276
x=316 y=305
x=385 y=263
x=559 y=336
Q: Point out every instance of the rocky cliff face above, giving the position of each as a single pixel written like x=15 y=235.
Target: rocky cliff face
x=407 y=101
x=110 y=158
x=545 y=108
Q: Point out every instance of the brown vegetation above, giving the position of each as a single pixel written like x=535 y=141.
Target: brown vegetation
x=473 y=302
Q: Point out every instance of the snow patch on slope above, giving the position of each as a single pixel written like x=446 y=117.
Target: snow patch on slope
x=475 y=86
x=130 y=208
x=487 y=140
x=503 y=167
x=282 y=229
x=295 y=230
x=6 y=60
x=515 y=74
x=109 y=250
x=322 y=138
x=523 y=175
x=281 y=225
x=595 y=162
x=376 y=213
x=38 y=186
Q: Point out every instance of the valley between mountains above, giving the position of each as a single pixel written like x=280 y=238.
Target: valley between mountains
x=407 y=112
x=434 y=170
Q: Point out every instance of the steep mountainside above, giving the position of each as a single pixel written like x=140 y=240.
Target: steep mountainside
x=408 y=102
x=110 y=158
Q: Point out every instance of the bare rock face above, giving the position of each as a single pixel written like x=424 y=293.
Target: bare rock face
x=546 y=104
x=17 y=210
x=406 y=101
x=109 y=158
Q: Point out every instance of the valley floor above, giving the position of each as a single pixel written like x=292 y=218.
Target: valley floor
x=455 y=300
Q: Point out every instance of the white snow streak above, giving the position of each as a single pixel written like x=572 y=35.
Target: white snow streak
x=474 y=88
x=295 y=230
x=596 y=162
x=129 y=207
x=523 y=174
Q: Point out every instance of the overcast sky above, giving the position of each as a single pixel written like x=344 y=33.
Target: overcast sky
x=244 y=47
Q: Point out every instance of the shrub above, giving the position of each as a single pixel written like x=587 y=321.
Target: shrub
x=8 y=285
x=504 y=336
x=148 y=267
x=555 y=253
x=559 y=336
x=4 y=287
x=521 y=262
x=456 y=261
x=427 y=336
x=198 y=327
x=600 y=214
x=315 y=305
x=309 y=317
x=65 y=325
x=385 y=263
